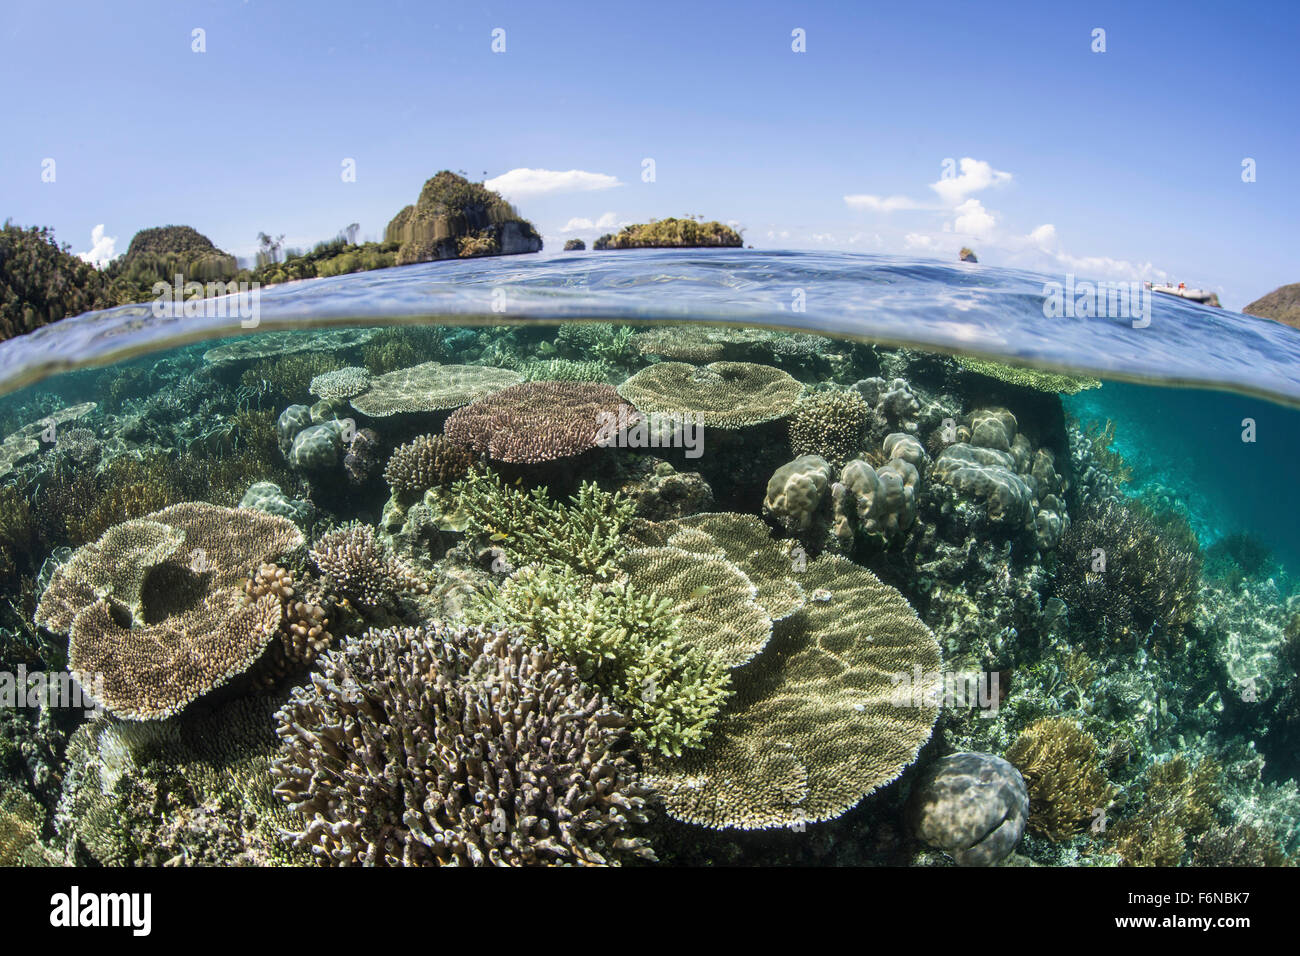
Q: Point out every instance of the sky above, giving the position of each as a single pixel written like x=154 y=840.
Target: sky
x=900 y=128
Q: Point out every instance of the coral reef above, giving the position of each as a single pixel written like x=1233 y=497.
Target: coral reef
x=540 y=421
x=831 y=425
x=357 y=566
x=156 y=608
x=455 y=746
x=723 y=394
x=429 y=461
x=1061 y=765
x=816 y=722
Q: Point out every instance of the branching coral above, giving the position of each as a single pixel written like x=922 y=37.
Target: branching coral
x=1062 y=768
x=357 y=566
x=1120 y=573
x=427 y=462
x=456 y=746
x=623 y=640
x=529 y=527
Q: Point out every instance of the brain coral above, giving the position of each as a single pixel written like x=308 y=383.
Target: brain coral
x=817 y=722
x=539 y=421
x=455 y=746
x=157 y=608
x=724 y=394
x=430 y=387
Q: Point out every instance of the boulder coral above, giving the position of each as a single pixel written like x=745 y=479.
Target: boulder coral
x=973 y=806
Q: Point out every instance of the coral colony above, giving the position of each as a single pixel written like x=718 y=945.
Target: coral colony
x=597 y=594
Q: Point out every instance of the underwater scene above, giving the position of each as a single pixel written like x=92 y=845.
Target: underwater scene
x=651 y=567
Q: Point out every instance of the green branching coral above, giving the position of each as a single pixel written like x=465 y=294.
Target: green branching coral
x=1062 y=769
x=565 y=370
x=1034 y=378
x=622 y=640
x=529 y=527
x=1100 y=437
x=1121 y=573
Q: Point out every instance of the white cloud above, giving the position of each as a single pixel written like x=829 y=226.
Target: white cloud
x=879 y=204
x=975 y=175
x=1044 y=236
x=917 y=240
x=537 y=182
x=102 y=248
x=580 y=224
x=973 y=220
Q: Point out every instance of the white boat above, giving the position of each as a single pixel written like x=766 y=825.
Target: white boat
x=1180 y=290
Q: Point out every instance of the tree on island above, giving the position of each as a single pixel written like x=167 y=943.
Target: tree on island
x=574 y=245
x=671 y=233
x=455 y=218
x=42 y=282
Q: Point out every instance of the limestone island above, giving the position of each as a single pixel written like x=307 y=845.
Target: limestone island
x=1280 y=305
x=575 y=245
x=457 y=219
x=671 y=234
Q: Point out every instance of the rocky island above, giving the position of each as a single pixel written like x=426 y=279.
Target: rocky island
x=1280 y=305
x=455 y=218
x=671 y=234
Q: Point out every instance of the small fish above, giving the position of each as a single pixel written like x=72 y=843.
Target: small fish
x=500 y=537
x=700 y=591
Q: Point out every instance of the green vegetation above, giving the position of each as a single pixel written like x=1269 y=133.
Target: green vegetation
x=626 y=643
x=669 y=234
x=574 y=245
x=455 y=218
x=42 y=282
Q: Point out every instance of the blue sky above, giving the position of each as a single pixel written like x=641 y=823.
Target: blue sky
x=1123 y=164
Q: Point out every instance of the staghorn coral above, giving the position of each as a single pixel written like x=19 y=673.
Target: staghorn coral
x=540 y=421
x=565 y=370
x=829 y=424
x=358 y=567
x=458 y=746
x=1241 y=844
x=529 y=527
x=430 y=387
x=723 y=394
x=1061 y=765
x=191 y=790
x=156 y=608
x=816 y=722
x=287 y=378
x=429 y=461
x=1179 y=803
x=623 y=640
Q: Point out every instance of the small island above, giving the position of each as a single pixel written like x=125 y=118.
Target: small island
x=1280 y=305
x=671 y=234
x=967 y=254
x=457 y=219
x=575 y=245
